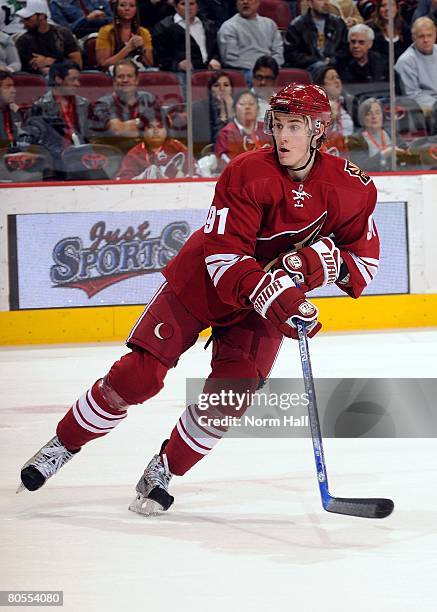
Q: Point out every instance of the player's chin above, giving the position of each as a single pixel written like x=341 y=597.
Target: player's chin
x=287 y=159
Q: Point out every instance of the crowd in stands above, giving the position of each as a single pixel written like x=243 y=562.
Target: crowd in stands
x=134 y=57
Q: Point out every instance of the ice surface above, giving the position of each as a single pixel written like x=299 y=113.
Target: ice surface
x=247 y=531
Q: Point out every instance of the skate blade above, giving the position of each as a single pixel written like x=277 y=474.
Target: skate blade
x=145 y=506
x=21 y=488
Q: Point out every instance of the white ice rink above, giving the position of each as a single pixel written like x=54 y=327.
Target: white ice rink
x=247 y=531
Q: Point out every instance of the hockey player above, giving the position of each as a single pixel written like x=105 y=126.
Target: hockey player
x=279 y=213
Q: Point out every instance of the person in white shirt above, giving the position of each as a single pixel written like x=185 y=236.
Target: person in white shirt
x=169 y=41
x=417 y=66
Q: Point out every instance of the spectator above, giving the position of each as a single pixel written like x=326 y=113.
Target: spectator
x=119 y=118
x=417 y=66
x=264 y=75
x=9 y=58
x=246 y=36
x=152 y=11
x=82 y=17
x=156 y=157
x=363 y=65
x=379 y=24
x=425 y=8
x=124 y=38
x=217 y=11
x=346 y=9
x=342 y=124
x=212 y=113
x=43 y=44
x=62 y=112
x=11 y=119
x=316 y=39
x=169 y=39
x=371 y=148
x=243 y=133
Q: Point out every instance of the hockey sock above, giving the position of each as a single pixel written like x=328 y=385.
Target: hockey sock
x=89 y=418
x=190 y=440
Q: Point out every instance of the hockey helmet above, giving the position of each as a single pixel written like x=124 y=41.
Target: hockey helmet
x=308 y=100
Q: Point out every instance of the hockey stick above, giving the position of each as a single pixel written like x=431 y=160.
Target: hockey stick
x=367 y=507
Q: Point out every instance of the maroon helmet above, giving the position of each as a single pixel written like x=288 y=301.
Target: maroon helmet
x=308 y=100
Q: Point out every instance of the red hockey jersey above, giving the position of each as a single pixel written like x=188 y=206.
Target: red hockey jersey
x=259 y=212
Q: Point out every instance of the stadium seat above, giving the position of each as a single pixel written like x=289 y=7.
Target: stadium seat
x=91 y=162
x=29 y=88
x=410 y=120
x=24 y=167
x=277 y=10
x=292 y=75
x=94 y=84
x=89 y=52
x=163 y=85
x=200 y=80
x=427 y=149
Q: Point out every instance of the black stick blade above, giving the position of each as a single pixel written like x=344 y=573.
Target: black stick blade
x=367 y=507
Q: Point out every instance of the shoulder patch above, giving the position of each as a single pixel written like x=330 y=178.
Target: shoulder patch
x=356 y=171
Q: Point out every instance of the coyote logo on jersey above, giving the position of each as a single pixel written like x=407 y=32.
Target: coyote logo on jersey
x=299 y=196
x=356 y=171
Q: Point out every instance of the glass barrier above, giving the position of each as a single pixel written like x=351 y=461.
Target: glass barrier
x=140 y=122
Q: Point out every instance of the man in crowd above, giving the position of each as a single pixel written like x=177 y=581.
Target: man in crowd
x=82 y=17
x=264 y=75
x=417 y=66
x=119 y=118
x=169 y=41
x=363 y=65
x=43 y=44
x=316 y=39
x=10 y=117
x=246 y=36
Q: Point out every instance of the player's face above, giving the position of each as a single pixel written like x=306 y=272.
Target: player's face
x=292 y=137
x=155 y=134
x=7 y=92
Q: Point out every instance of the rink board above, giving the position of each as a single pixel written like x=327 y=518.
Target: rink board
x=411 y=272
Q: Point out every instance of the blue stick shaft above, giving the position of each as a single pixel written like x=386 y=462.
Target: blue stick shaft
x=313 y=414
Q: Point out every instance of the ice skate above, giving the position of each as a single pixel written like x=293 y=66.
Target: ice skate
x=152 y=488
x=46 y=462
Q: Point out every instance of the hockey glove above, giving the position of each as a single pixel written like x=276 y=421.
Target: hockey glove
x=315 y=266
x=277 y=299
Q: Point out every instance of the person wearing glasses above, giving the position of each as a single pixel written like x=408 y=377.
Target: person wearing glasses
x=264 y=75
x=363 y=64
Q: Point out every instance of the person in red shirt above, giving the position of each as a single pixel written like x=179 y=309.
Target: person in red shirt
x=279 y=215
x=156 y=157
x=243 y=133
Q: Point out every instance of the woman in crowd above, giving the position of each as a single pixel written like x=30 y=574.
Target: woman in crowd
x=156 y=157
x=342 y=124
x=213 y=112
x=243 y=132
x=371 y=148
x=379 y=24
x=124 y=38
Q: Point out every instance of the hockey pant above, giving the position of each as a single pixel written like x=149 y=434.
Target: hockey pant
x=242 y=355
